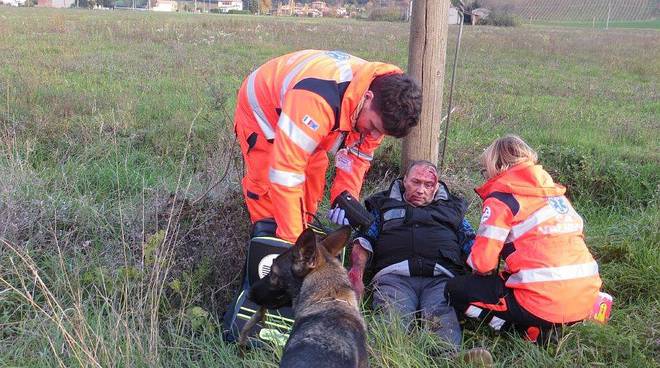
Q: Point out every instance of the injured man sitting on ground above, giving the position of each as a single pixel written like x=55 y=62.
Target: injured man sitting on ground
x=414 y=247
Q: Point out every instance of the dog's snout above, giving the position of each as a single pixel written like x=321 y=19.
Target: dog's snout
x=257 y=291
x=263 y=294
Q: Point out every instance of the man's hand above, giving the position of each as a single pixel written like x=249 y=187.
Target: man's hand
x=338 y=216
x=359 y=258
x=355 y=276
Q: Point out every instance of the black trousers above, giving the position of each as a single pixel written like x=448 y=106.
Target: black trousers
x=487 y=298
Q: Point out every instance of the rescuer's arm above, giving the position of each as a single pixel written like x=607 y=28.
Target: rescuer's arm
x=493 y=230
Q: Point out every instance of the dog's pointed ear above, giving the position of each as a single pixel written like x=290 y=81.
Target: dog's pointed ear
x=304 y=253
x=336 y=240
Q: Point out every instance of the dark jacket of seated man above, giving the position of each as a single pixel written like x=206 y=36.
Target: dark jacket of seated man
x=416 y=246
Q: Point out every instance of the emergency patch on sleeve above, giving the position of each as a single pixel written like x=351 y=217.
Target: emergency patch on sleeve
x=485 y=215
x=343 y=161
x=559 y=205
x=313 y=125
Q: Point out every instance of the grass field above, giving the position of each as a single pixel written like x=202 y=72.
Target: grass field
x=122 y=230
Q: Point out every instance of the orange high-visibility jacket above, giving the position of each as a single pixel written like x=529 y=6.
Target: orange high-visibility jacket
x=303 y=103
x=529 y=222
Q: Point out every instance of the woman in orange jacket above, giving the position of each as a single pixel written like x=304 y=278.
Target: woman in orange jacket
x=549 y=277
x=294 y=110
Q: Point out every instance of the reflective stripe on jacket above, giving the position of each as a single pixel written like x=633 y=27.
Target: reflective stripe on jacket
x=529 y=222
x=302 y=103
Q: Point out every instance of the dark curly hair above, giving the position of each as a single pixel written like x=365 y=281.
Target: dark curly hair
x=398 y=101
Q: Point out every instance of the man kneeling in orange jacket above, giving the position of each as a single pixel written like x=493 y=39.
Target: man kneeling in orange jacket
x=294 y=110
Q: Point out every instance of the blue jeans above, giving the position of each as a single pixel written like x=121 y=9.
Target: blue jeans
x=407 y=295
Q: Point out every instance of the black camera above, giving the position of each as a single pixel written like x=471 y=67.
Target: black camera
x=357 y=215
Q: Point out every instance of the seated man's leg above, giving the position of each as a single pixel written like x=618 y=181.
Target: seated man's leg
x=437 y=312
x=395 y=297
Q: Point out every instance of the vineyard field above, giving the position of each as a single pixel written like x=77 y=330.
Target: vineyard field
x=579 y=10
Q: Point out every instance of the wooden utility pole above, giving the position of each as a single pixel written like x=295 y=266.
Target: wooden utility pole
x=426 y=63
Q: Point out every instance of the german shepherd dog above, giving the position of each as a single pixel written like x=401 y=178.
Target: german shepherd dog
x=329 y=330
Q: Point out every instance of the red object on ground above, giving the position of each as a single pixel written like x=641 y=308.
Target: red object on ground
x=602 y=308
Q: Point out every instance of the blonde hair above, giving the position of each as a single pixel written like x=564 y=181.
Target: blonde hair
x=506 y=152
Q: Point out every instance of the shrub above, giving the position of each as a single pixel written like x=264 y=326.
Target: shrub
x=389 y=14
x=602 y=179
x=500 y=18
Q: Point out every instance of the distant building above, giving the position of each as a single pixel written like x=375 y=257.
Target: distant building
x=165 y=6
x=454 y=18
x=227 y=5
x=313 y=9
x=55 y=3
x=284 y=9
x=12 y=2
x=319 y=5
x=199 y=6
x=300 y=10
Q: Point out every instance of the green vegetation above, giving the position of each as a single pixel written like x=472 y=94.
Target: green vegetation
x=500 y=19
x=121 y=221
x=391 y=14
